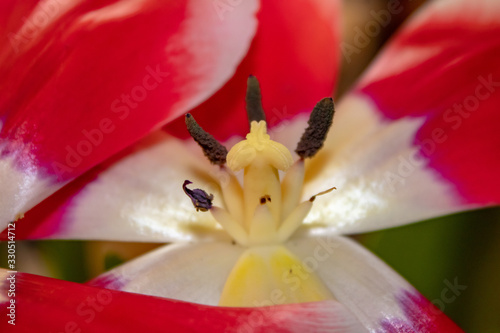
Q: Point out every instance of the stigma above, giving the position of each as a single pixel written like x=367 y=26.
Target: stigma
x=264 y=209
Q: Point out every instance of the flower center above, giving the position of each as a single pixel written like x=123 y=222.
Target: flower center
x=265 y=210
x=263 y=213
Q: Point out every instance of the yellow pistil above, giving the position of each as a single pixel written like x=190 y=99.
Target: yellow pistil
x=267 y=272
x=261 y=158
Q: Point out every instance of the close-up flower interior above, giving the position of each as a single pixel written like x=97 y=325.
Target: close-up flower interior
x=249 y=166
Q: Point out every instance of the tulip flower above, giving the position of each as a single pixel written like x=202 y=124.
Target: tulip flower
x=258 y=237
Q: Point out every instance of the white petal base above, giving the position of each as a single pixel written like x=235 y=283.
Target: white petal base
x=140 y=197
x=356 y=277
x=187 y=272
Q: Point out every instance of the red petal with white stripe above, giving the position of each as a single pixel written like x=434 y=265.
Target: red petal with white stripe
x=398 y=152
x=443 y=68
x=82 y=80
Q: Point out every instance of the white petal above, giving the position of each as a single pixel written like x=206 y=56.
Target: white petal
x=357 y=278
x=188 y=272
x=140 y=198
x=22 y=189
x=372 y=162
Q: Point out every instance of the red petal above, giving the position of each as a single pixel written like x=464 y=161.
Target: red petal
x=12 y=15
x=444 y=67
x=45 y=304
x=93 y=78
x=294 y=56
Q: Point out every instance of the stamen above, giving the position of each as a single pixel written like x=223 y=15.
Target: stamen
x=320 y=120
x=232 y=193
x=311 y=199
x=233 y=228
x=201 y=200
x=212 y=149
x=255 y=111
x=294 y=220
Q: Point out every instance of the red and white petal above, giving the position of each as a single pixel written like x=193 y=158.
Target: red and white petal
x=381 y=299
x=398 y=151
x=295 y=57
x=442 y=68
x=188 y=272
x=82 y=80
x=45 y=304
x=136 y=197
x=382 y=180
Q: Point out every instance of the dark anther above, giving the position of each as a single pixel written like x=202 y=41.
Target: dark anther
x=201 y=200
x=254 y=101
x=262 y=200
x=320 y=120
x=212 y=149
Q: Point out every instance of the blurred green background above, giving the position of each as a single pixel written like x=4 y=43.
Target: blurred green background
x=462 y=247
x=465 y=247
